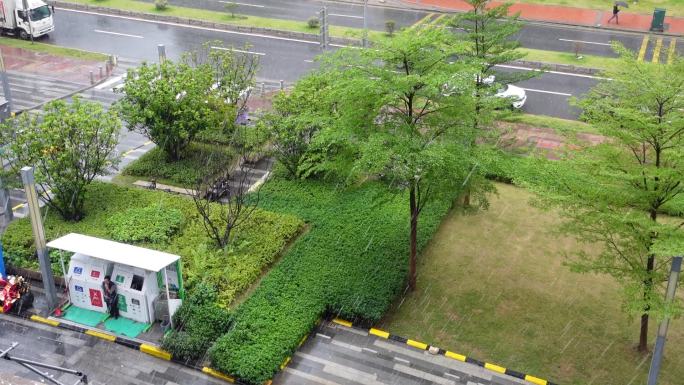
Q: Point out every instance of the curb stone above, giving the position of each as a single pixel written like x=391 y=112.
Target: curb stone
x=459 y=357
x=153 y=350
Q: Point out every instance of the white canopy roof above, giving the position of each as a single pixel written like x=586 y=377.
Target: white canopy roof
x=147 y=259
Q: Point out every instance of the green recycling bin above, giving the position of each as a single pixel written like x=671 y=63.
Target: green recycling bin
x=658 y=23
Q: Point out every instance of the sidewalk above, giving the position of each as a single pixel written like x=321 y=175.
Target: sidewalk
x=566 y=15
x=57 y=67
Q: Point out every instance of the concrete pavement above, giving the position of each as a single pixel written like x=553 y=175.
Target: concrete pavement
x=103 y=362
x=566 y=15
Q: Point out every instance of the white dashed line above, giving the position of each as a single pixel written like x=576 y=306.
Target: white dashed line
x=349 y=16
x=242 y=4
x=239 y=50
x=118 y=34
x=585 y=42
x=547 y=92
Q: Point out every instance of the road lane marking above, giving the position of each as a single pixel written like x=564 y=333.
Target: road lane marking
x=190 y=26
x=243 y=4
x=118 y=34
x=424 y=20
x=438 y=20
x=642 y=50
x=350 y=16
x=585 y=42
x=656 y=51
x=109 y=82
x=671 y=51
x=308 y=61
x=238 y=50
x=551 y=72
x=546 y=92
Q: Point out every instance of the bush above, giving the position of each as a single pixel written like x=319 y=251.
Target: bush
x=197 y=324
x=155 y=224
x=353 y=262
x=161 y=5
x=230 y=271
x=390 y=26
x=156 y=165
x=313 y=22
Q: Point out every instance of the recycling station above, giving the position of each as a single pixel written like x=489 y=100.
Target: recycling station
x=149 y=282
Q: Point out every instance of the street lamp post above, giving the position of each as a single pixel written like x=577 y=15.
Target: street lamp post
x=365 y=23
x=662 y=329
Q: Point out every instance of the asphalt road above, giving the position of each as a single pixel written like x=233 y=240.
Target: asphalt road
x=533 y=35
x=281 y=58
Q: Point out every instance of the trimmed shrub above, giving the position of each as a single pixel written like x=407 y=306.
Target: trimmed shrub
x=155 y=224
x=353 y=263
x=155 y=164
x=390 y=26
x=313 y=22
x=197 y=324
x=161 y=5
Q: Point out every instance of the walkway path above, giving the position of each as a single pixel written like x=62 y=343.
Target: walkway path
x=338 y=355
x=566 y=15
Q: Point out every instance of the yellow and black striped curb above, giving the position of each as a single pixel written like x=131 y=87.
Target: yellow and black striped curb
x=459 y=357
x=150 y=349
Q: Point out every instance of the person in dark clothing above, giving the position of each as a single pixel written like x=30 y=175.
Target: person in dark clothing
x=111 y=296
x=616 y=10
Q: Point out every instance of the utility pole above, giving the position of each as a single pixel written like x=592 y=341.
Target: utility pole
x=5 y=84
x=39 y=237
x=365 y=23
x=662 y=329
x=323 y=18
x=161 y=50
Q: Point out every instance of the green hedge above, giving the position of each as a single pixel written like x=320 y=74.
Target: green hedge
x=197 y=324
x=155 y=165
x=155 y=224
x=260 y=239
x=353 y=263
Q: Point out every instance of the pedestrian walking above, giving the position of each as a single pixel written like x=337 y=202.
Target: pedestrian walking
x=616 y=10
x=111 y=296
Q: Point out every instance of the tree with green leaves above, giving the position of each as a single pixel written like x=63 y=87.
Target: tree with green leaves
x=401 y=111
x=615 y=194
x=296 y=118
x=170 y=103
x=69 y=146
x=489 y=37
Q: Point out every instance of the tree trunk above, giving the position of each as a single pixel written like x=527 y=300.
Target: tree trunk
x=413 y=238
x=648 y=283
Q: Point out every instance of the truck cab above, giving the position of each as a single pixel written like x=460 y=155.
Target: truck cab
x=26 y=18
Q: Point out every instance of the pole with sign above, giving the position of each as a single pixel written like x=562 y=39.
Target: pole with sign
x=3 y=274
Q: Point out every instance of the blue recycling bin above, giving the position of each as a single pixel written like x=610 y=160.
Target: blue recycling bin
x=3 y=274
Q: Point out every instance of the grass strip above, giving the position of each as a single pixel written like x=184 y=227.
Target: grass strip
x=52 y=49
x=226 y=18
x=562 y=126
x=568 y=58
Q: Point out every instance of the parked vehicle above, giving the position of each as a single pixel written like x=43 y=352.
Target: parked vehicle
x=15 y=14
x=514 y=94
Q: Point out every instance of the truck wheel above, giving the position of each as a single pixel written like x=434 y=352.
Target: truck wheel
x=23 y=35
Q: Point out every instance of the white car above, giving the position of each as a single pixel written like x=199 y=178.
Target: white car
x=515 y=94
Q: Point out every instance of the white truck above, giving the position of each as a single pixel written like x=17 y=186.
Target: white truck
x=25 y=18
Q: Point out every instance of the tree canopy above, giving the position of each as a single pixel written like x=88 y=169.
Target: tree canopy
x=69 y=146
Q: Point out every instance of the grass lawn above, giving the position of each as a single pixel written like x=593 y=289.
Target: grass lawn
x=492 y=286
x=562 y=126
x=183 y=173
x=52 y=49
x=674 y=7
x=568 y=58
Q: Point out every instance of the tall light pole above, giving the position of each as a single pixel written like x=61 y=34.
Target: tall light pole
x=39 y=237
x=365 y=23
x=662 y=329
